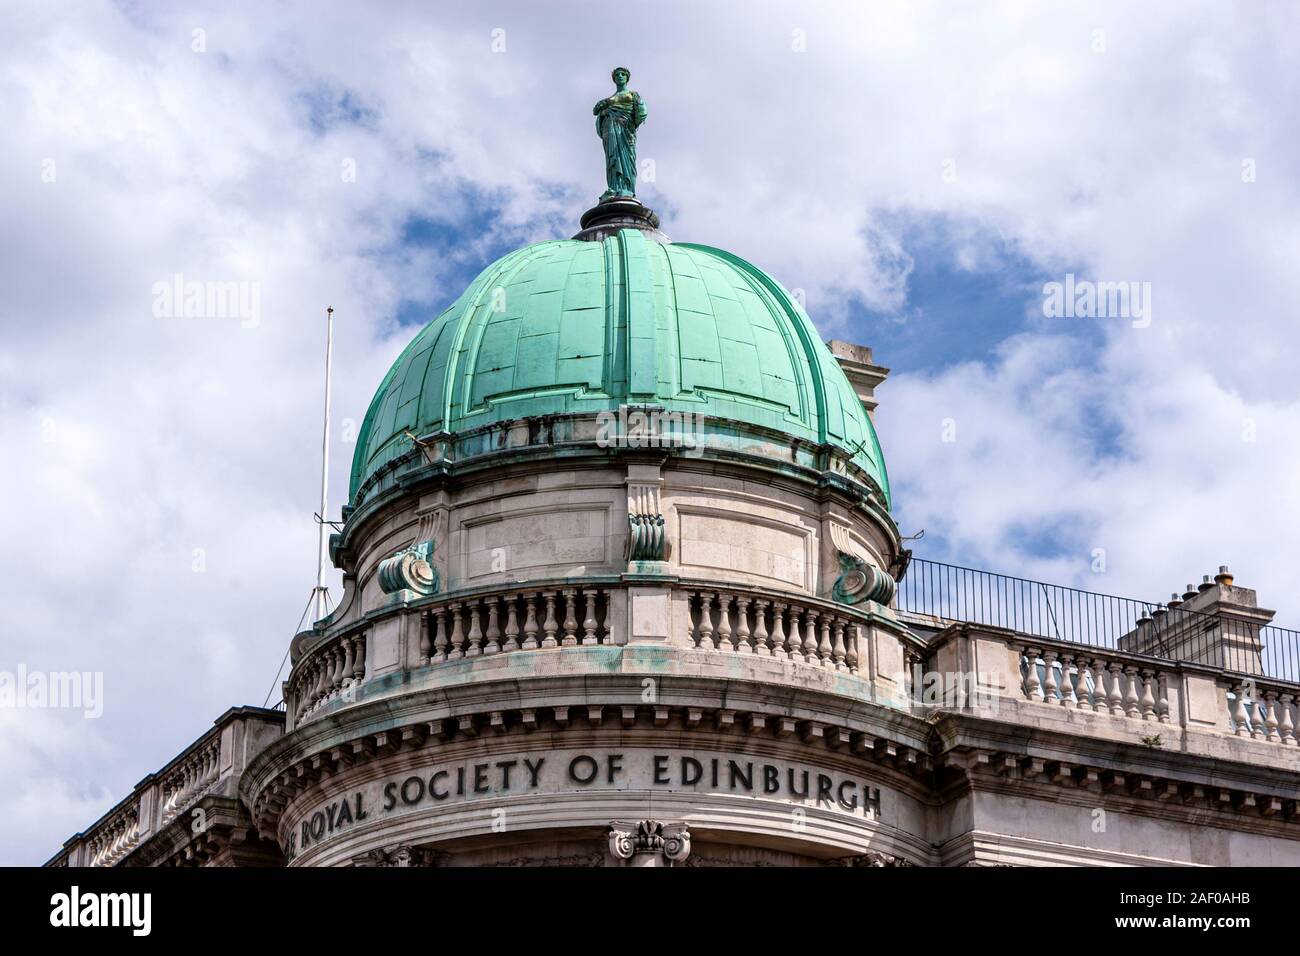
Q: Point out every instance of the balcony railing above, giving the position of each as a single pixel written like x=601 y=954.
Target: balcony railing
x=1223 y=640
x=539 y=617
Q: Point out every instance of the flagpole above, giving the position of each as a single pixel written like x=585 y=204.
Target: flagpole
x=321 y=555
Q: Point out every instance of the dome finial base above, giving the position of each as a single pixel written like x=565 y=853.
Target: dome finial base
x=619 y=212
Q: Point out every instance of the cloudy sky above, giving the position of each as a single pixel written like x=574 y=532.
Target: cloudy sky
x=919 y=171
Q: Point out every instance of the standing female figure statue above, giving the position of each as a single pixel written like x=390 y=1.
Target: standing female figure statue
x=617 y=119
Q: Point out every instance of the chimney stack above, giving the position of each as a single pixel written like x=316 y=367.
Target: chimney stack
x=1217 y=623
x=863 y=374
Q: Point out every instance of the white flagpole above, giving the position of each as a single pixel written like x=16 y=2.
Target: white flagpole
x=318 y=603
x=321 y=556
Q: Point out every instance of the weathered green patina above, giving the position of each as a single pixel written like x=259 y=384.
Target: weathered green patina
x=617 y=119
x=569 y=326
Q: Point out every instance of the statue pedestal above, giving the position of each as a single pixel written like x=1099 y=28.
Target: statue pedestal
x=621 y=212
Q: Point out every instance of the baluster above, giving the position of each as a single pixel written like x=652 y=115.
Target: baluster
x=359 y=665
x=570 y=619
x=778 y=631
x=760 y=629
x=349 y=659
x=724 y=622
x=810 y=637
x=426 y=645
x=851 y=656
x=1067 y=686
x=308 y=681
x=474 y=639
x=530 y=621
x=1237 y=713
x=318 y=688
x=1270 y=717
x=309 y=685
x=603 y=633
x=1117 y=682
x=313 y=683
x=336 y=679
x=457 y=634
x=440 y=639
x=1286 y=725
x=589 y=622
x=1130 y=692
x=1033 y=687
x=705 y=629
x=742 y=626
x=550 y=626
x=334 y=657
x=1049 y=677
x=1162 y=698
x=1081 y=699
x=322 y=678
x=327 y=665
x=512 y=625
x=838 y=650
x=1100 y=702
x=492 y=636
x=1147 y=703
x=794 y=643
x=824 y=647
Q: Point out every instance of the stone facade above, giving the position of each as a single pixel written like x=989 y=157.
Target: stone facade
x=561 y=704
x=683 y=645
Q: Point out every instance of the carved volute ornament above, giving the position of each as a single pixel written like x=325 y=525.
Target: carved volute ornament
x=859 y=580
x=397 y=856
x=649 y=842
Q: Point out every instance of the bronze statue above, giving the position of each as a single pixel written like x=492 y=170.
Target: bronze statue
x=617 y=119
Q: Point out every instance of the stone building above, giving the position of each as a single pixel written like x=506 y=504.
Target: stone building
x=622 y=588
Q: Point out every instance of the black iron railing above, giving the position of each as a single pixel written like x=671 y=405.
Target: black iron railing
x=1229 y=641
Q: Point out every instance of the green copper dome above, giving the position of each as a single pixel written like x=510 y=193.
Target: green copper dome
x=571 y=326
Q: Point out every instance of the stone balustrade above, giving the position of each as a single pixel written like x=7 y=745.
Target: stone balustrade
x=1263 y=710
x=326 y=672
x=460 y=628
x=1097 y=680
x=1122 y=686
x=195 y=775
x=117 y=837
x=1191 y=698
x=543 y=616
x=522 y=620
x=802 y=631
